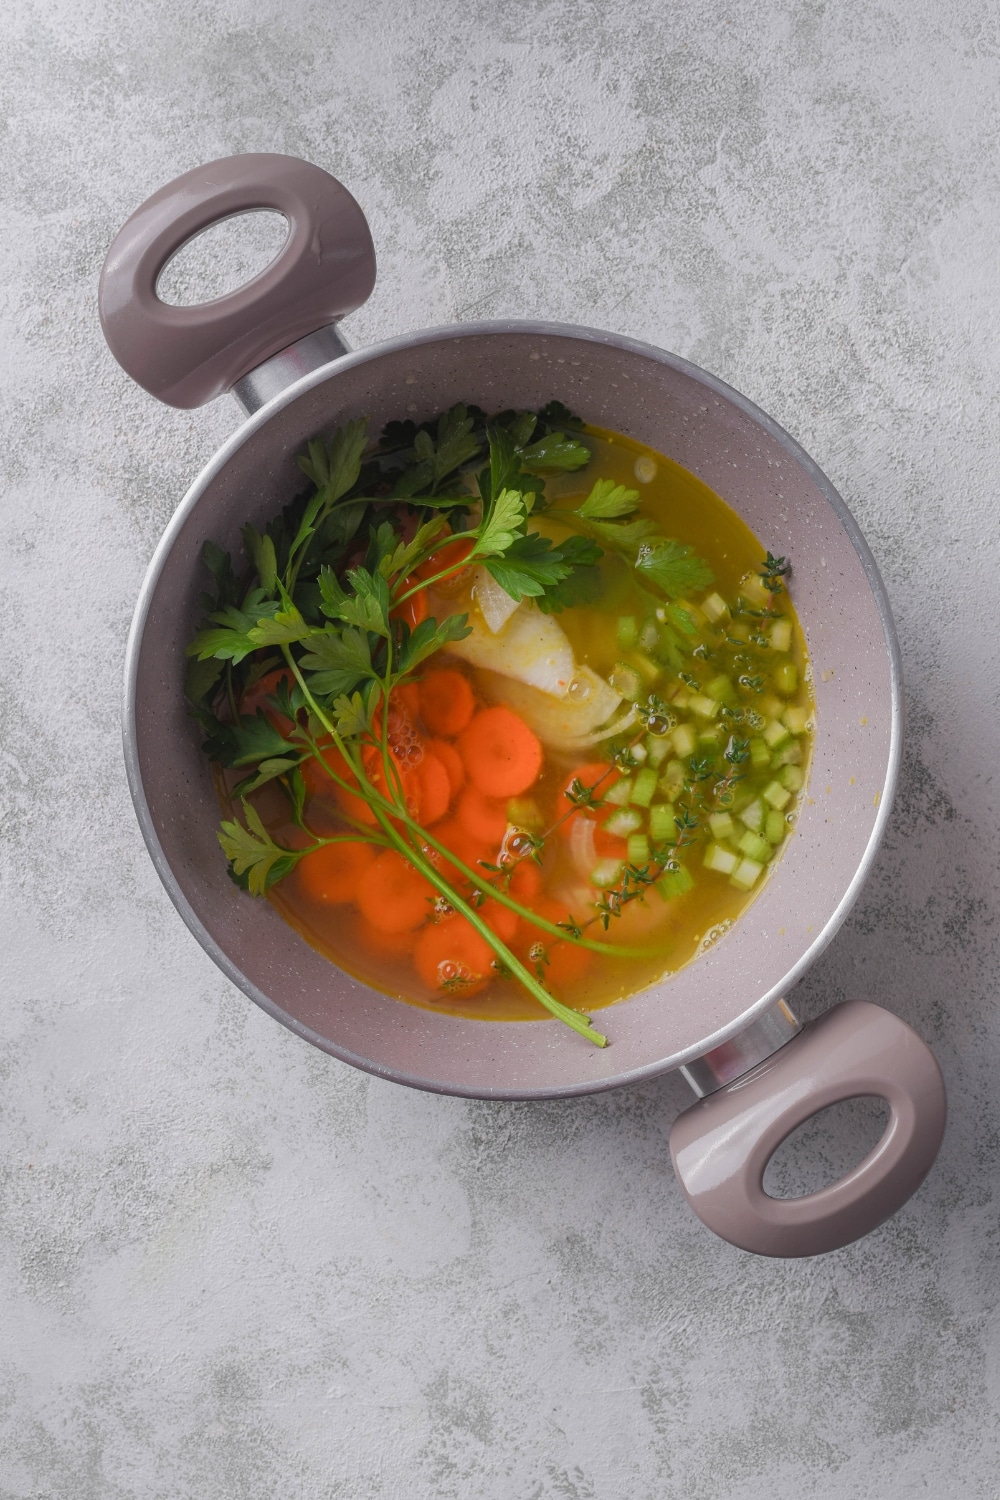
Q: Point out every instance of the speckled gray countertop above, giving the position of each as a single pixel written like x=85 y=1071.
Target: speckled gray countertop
x=233 y=1269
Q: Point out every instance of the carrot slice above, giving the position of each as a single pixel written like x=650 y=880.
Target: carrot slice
x=447 y=702
x=413 y=610
x=319 y=784
x=392 y=895
x=501 y=920
x=452 y=959
x=450 y=561
x=470 y=849
x=331 y=873
x=484 y=817
x=502 y=755
x=566 y=961
x=525 y=881
x=408 y=694
x=452 y=762
x=435 y=789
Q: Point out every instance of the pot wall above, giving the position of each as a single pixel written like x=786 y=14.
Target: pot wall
x=785 y=501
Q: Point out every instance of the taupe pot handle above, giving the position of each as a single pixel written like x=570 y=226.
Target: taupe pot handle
x=721 y=1146
x=187 y=355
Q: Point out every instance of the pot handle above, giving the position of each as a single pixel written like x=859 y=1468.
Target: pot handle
x=186 y=356
x=721 y=1146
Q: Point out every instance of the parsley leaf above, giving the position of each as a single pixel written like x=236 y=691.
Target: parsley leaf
x=555 y=451
x=252 y=852
x=608 y=501
x=501 y=524
x=337 y=660
x=674 y=567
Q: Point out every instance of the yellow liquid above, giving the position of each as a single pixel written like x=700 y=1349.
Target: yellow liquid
x=672 y=931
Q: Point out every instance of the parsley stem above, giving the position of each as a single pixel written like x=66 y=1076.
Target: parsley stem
x=560 y=1011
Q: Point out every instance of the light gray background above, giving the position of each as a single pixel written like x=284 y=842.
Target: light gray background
x=231 y=1267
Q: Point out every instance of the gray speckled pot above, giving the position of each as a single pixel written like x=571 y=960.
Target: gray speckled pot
x=734 y=986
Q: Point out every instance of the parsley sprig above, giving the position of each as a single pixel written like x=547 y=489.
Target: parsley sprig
x=325 y=595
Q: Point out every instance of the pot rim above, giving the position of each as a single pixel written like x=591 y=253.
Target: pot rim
x=535 y=328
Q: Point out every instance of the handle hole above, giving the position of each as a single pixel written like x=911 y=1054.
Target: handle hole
x=826 y=1147
x=222 y=258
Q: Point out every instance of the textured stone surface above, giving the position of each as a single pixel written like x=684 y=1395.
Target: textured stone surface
x=231 y=1267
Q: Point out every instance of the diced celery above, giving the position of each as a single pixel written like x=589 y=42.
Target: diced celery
x=781 y=635
x=760 y=755
x=648 y=670
x=703 y=706
x=627 y=681
x=754 y=846
x=643 y=787
x=628 y=631
x=661 y=822
x=791 y=755
x=638 y=753
x=679 y=697
x=710 y=736
x=771 y=706
x=524 y=812
x=684 y=739
x=775 y=827
x=722 y=825
x=638 y=849
x=715 y=607
x=606 y=873
x=777 y=796
x=674 y=883
x=721 y=689
x=753 y=816
x=649 y=636
x=623 y=821
x=722 y=860
x=672 y=779
x=786 y=678
x=746 y=874
x=753 y=591
x=657 y=749
x=792 y=778
x=775 y=734
x=619 y=794
x=796 y=719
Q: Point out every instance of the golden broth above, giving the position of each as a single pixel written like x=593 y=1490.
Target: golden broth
x=673 y=930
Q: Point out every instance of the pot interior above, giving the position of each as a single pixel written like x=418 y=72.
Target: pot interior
x=681 y=412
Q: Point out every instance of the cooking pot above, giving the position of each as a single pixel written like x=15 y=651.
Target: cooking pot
x=724 y=1020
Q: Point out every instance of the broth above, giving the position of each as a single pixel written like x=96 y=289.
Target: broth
x=740 y=677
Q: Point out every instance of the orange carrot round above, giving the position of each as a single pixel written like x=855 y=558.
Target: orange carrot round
x=447 y=702
x=435 y=789
x=525 y=881
x=470 y=849
x=501 y=920
x=320 y=784
x=392 y=895
x=502 y=755
x=449 y=560
x=452 y=762
x=413 y=610
x=331 y=873
x=566 y=961
x=484 y=817
x=452 y=959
